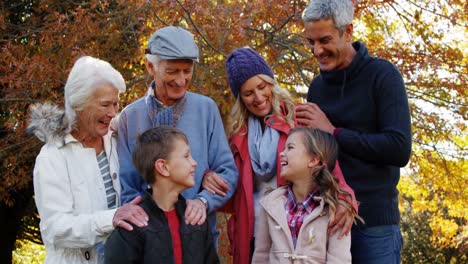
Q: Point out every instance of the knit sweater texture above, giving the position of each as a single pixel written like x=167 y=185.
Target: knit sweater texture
x=202 y=124
x=368 y=104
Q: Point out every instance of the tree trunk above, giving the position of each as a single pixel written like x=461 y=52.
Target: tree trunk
x=10 y=223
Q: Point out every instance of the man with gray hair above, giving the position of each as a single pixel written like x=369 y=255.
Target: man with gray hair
x=362 y=101
x=170 y=58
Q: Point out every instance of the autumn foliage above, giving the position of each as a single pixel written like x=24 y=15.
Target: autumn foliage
x=40 y=40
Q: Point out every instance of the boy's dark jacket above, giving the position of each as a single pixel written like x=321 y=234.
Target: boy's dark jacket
x=367 y=102
x=153 y=243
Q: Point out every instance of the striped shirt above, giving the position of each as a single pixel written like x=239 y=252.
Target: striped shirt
x=105 y=172
x=296 y=212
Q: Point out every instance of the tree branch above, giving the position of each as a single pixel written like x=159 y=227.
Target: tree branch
x=2 y=100
x=197 y=29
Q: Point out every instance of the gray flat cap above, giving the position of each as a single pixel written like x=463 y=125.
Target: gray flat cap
x=171 y=43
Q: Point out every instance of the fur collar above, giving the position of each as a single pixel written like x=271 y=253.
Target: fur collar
x=48 y=122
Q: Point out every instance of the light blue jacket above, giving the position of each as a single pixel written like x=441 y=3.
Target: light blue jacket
x=202 y=124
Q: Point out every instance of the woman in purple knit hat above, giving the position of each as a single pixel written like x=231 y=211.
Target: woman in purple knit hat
x=261 y=119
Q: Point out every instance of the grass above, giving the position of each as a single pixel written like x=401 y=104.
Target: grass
x=28 y=252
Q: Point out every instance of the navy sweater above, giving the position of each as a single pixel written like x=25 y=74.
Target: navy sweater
x=368 y=101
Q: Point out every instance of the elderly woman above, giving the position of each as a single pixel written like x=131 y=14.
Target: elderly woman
x=76 y=180
x=261 y=119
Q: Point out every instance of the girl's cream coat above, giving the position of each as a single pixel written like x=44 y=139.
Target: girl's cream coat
x=273 y=240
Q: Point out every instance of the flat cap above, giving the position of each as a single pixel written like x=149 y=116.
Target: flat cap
x=171 y=43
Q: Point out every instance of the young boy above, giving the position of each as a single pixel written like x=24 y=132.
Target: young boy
x=162 y=156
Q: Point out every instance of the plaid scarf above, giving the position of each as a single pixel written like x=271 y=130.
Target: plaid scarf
x=296 y=212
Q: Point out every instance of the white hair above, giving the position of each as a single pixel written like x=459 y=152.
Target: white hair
x=154 y=59
x=86 y=76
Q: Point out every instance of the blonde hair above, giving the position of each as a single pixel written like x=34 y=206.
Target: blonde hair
x=324 y=146
x=239 y=112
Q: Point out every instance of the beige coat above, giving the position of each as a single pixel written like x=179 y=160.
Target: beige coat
x=273 y=240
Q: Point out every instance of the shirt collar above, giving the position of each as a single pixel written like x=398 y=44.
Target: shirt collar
x=308 y=204
x=150 y=93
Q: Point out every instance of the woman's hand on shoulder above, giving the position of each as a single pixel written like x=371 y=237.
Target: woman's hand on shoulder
x=130 y=213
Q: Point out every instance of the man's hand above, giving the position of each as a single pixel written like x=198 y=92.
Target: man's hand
x=195 y=213
x=310 y=115
x=215 y=184
x=343 y=220
x=130 y=213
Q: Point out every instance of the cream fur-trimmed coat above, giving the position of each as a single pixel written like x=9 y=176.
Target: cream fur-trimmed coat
x=273 y=240
x=69 y=189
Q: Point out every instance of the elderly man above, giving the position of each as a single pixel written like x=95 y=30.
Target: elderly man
x=362 y=101
x=170 y=58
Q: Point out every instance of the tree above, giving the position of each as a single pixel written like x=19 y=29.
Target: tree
x=418 y=247
x=40 y=40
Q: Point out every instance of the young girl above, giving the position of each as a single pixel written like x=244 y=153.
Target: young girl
x=294 y=218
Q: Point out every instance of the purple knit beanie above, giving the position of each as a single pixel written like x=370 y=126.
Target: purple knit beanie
x=241 y=65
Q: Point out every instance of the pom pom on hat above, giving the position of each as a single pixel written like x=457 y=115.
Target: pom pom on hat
x=241 y=65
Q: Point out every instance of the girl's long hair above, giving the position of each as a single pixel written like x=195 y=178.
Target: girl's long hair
x=323 y=146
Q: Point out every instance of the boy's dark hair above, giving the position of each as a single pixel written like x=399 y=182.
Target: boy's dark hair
x=155 y=143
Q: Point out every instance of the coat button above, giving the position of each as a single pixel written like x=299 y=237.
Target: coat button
x=272 y=121
x=114 y=175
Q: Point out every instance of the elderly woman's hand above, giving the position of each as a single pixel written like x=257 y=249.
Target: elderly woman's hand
x=214 y=183
x=130 y=213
